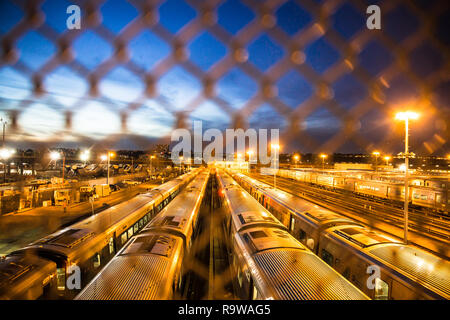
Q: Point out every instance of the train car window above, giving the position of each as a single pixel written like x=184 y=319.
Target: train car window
x=111 y=245
x=381 y=290
x=61 y=278
x=327 y=257
x=136 y=228
x=346 y=273
x=130 y=233
x=439 y=198
x=145 y=219
x=96 y=260
x=123 y=238
x=141 y=223
x=302 y=235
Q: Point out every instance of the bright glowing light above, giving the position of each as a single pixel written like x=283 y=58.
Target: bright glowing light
x=323 y=156
x=55 y=155
x=85 y=155
x=275 y=146
x=103 y=157
x=376 y=153
x=407 y=115
x=5 y=153
x=152 y=157
x=296 y=157
x=112 y=154
x=402 y=167
x=250 y=152
x=387 y=158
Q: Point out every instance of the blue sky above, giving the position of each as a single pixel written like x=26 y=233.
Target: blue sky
x=99 y=117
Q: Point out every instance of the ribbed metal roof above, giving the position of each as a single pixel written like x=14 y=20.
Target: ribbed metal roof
x=427 y=268
x=129 y=277
x=298 y=275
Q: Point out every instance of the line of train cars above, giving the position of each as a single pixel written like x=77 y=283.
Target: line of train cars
x=268 y=262
x=431 y=193
x=405 y=272
x=43 y=268
x=150 y=266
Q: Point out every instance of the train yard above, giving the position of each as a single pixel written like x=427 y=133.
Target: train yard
x=219 y=234
x=431 y=230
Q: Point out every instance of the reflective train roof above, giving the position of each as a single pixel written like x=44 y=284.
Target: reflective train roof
x=178 y=215
x=300 y=206
x=68 y=238
x=286 y=270
x=361 y=236
x=143 y=270
x=245 y=210
x=427 y=268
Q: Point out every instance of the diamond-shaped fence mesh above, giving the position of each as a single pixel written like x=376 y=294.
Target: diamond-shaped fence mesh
x=291 y=60
x=329 y=86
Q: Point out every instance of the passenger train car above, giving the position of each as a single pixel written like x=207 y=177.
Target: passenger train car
x=150 y=265
x=430 y=193
x=269 y=263
x=406 y=272
x=86 y=245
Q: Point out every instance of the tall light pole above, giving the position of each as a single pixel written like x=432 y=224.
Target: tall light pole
x=56 y=156
x=5 y=154
x=376 y=154
x=181 y=161
x=107 y=157
x=387 y=158
x=151 y=166
x=275 y=147
x=296 y=158
x=406 y=116
x=323 y=156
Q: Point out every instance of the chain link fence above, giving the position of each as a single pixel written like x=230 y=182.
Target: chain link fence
x=411 y=36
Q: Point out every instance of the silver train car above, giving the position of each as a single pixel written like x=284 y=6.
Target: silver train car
x=268 y=262
x=150 y=266
x=406 y=272
x=86 y=246
x=429 y=193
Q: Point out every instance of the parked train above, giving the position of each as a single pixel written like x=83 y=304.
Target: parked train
x=150 y=266
x=268 y=262
x=405 y=272
x=47 y=265
x=429 y=193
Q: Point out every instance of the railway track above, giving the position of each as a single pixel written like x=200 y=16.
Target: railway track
x=429 y=224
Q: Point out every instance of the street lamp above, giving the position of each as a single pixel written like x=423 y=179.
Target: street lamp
x=296 y=158
x=323 y=156
x=387 y=158
x=107 y=157
x=181 y=163
x=151 y=167
x=55 y=156
x=275 y=147
x=5 y=154
x=376 y=154
x=85 y=156
x=406 y=116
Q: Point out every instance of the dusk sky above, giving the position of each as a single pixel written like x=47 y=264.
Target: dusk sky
x=99 y=117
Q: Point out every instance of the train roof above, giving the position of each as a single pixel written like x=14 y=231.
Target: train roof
x=286 y=270
x=245 y=210
x=427 y=269
x=68 y=239
x=17 y=271
x=178 y=215
x=141 y=270
x=361 y=236
x=300 y=206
